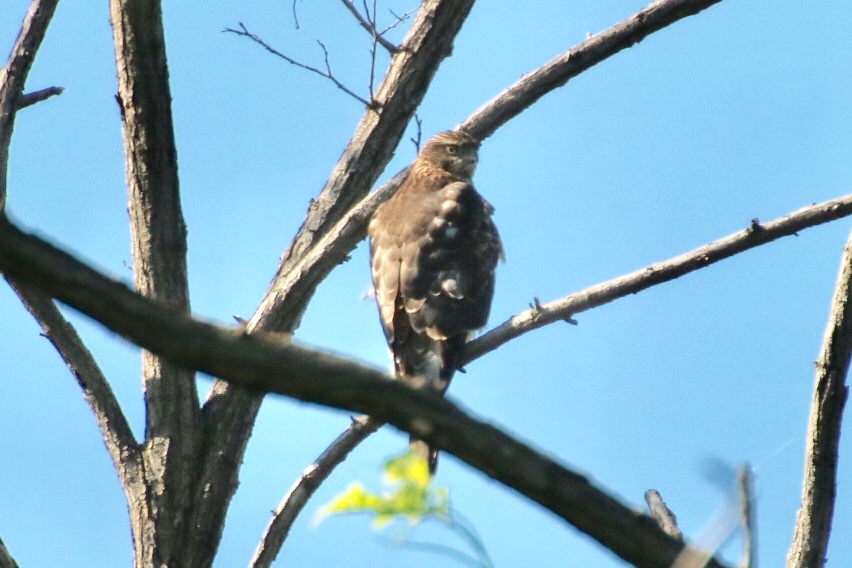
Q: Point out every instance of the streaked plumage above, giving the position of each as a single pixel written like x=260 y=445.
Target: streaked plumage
x=434 y=250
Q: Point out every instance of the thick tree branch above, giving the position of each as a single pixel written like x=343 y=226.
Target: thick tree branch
x=813 y=522
x=554 y=74
x=263 y=362
x=14 y=74
x=158 y=236
x=563 y=309
x=113 y=425
x=294 y=501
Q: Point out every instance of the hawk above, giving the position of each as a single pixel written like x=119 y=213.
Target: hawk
x=434 y=250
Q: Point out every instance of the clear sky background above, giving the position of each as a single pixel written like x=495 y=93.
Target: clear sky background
x=741 y=112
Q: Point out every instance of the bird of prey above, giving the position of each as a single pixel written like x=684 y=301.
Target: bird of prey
x=434 y=250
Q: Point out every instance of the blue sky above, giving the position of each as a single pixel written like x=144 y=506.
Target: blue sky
x=740 y=112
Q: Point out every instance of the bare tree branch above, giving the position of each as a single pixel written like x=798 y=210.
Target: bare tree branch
x=370 y=26
x=30 y=99
x=243 y=31
x=813 y=522
x=158 y=236
x=14 y=74
x=258 y=362
x=294 y=501
x=554 y=74
x=115 y=429
x=565 y=308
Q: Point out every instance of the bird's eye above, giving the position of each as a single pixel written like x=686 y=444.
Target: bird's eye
x=451 y=150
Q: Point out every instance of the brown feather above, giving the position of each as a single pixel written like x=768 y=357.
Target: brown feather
x=434 y=250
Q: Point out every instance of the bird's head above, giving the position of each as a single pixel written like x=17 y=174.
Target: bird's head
x=454 y=151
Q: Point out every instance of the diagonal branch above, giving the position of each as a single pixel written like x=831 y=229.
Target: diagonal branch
x=294 y=501
x=563 y=309
x=370 y=26
x=262 y=362
x=813 y=522
x=554 y=74
x=113 y=425
x=14 y=74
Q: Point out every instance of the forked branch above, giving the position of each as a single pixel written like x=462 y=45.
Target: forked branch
x=13 y=75
x=327 y=74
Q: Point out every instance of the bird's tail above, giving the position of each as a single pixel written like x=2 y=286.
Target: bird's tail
x=437 y=361
x=425 y=451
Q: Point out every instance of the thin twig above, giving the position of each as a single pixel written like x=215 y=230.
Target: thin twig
x=30 y=99
x=417 y=138
x=299 y=494
x=295 y=15
x=243 y=31
x=813 y=522
x=397 y=21
x=373 y=44
x=370 y=26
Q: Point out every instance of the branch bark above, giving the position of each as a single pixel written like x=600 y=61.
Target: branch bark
x=554 y=74
x=294 y=501
x=563 y=309
x=262 y=362
x=813 y=522
x=14 y=74
x=159 y=514
x=114 y=427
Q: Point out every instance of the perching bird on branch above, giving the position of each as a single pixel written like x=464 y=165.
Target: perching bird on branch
x=434 y=250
